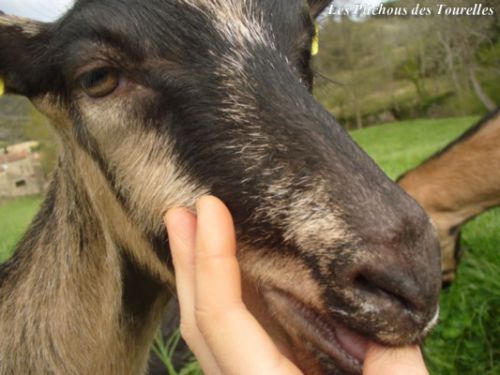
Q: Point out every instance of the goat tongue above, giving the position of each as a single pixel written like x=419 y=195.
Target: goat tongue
x=353 y=343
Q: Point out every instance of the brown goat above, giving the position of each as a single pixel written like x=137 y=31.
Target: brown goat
x=458 y=183
x=159 y=102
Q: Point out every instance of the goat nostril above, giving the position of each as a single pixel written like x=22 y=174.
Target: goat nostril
x=385 y=290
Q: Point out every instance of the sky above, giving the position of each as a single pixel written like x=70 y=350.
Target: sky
x=44 y=10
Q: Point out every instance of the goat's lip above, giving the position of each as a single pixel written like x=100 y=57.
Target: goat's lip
x=347 y=348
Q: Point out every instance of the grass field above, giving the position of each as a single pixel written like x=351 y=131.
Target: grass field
x=14 y=218
x=467 y=341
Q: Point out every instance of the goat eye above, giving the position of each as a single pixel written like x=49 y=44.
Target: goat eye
x=100 y=82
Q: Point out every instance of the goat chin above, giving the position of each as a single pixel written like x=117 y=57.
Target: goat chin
x=314 y=343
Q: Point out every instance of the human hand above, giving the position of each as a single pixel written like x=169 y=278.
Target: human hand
x=381 y=360
x=221 y=332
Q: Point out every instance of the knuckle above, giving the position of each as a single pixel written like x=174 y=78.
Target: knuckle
x=209 y=318
x=206 y=318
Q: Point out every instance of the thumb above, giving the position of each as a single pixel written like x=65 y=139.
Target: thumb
x=394 y=361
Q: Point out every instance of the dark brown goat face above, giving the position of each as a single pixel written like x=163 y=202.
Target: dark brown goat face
x=175 y=99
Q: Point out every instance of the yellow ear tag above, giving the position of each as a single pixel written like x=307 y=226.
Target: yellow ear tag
x=315 y=41
x=2 y=86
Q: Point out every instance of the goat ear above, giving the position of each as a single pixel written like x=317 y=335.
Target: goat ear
x=318 y=6
x=21 y=53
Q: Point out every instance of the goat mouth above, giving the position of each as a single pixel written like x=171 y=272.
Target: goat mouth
x=346 y=347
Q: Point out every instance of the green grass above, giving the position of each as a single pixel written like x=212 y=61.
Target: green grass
x=165 y=351
x=15 y=216
x=467 y=341
x=400 y=146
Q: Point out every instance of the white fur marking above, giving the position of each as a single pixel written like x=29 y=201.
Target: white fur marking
x=432 y=322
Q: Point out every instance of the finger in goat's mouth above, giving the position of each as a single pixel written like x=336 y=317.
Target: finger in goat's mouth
x=346 y=347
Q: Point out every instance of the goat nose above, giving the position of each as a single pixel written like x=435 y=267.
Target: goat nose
x=398 y=268
x=391 y=288
x=396 y=287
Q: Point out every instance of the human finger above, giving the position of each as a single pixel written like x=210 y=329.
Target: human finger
x=234 y=336
x=181 y=227
x=394 y=361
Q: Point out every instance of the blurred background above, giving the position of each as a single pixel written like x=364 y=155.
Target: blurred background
x=388 y=68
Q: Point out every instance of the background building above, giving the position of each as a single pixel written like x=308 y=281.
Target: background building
x=20 y=171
